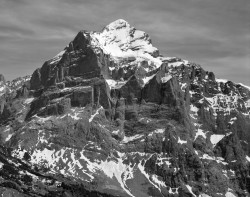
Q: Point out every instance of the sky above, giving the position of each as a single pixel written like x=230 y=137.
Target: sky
x=212 y=33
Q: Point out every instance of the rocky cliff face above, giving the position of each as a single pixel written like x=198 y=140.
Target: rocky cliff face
x=109 y=116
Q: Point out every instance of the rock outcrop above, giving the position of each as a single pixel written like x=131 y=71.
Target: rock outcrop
x=2 y=79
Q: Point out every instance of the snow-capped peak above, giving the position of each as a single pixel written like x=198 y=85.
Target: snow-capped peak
x=122 y=41
x=118 y=24
x=119 y=39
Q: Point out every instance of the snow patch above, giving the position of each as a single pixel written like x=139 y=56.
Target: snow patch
x=1 y=165
x=217 y=159
x=229 y=193
x=113 y=84
x=181 y=141
x=96 y=113
x=232 y=120
x=57 y=58
x=221 y=80
x=183 y=86
x=116 y=132
x=131 y=138
x=215 y=138
x=142 y=169
x=190 y=190
x=171 y=190
x=248 y=158
x=147 y=79
x=200 y=132
x=42 y=155
x=2 y=88
x=175 y=64
x=166 y=78
x=156 y=180
x=28 y=101
x=194 y=109
x=116 y=169
x=159 y=130
x=8 y=137
x=247 y=87
x=40 y=119
x=156 y=131
x=225 y=103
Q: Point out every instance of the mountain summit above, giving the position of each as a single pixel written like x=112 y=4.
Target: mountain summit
x=110 y=116
x=121 y=40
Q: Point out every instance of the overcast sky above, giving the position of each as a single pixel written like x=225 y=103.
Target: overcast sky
x=213 y=33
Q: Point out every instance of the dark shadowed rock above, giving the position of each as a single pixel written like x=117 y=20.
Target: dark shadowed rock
x=2 y=79
x=131 y=89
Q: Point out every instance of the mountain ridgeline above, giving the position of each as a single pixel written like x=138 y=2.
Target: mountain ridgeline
x=110 y=116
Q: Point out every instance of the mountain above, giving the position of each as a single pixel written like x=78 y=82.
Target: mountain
x=110 y=116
